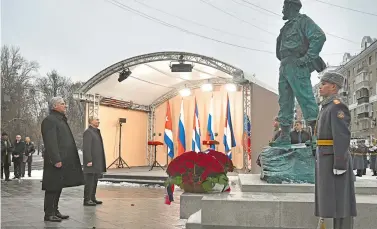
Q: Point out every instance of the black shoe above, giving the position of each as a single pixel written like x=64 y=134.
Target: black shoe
x=7 y=179
x=97 y=201
x=29 y=175
x=62 y=216
x=89 y=203
x=52 y=219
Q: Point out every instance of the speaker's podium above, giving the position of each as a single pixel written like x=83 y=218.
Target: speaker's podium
x=209 y=143
x=155 y=144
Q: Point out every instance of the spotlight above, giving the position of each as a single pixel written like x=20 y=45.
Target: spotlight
x=181 y=66
x=231 y=87
x=124 y=74
x=185 y=92
x=207 y=87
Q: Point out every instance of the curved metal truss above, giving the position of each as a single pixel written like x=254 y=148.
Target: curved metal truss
x=237 y=73
x=238 y=78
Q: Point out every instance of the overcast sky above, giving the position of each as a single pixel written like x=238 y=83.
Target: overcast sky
x=79 y=38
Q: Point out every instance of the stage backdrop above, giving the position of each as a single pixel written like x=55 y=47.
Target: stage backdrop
x=134 y=133
x=219 y=112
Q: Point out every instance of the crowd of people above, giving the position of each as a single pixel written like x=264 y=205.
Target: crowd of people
x=19 y=152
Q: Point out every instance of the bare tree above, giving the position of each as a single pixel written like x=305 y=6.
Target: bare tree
x=16 y=76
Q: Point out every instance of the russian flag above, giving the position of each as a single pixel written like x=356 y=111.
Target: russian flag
x=168 y=136
x=229 y=140
x=247 y=135
x=181 y=132
x=196 y=130
x=210 y=135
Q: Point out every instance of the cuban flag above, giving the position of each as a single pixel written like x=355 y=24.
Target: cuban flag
x=181 y=132
x=196 y=130
x=229 y=140
x=168 y=136
x=210 y=128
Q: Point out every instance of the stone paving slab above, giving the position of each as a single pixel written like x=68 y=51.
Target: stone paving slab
x=124 y=207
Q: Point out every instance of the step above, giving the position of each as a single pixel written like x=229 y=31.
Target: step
x=195 y=221
x=253 y=183
x=134 y=181
x=274 y=210
x=135 y=177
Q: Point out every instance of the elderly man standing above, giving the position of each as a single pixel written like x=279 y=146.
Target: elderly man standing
x=93 y=160
x=334 y=185
x=62 y=167
x=18 y=153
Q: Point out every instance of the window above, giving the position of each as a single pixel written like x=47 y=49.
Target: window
x=354 y=70
x=370 y=60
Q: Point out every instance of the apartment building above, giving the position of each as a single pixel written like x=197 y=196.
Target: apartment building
x=360 y=88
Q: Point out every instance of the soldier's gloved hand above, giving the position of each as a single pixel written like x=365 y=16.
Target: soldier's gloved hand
x=338 y=172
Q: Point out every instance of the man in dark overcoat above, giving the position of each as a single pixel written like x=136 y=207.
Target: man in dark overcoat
x=334 y=186
x=93 y=160
x=17 y=156
x=62 y=167
x=28 y=157
x=6 y=155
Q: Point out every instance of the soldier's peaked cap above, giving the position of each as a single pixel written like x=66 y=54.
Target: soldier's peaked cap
x=298 y=2
x=333 y=77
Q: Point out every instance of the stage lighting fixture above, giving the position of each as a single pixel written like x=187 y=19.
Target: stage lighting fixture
x=185 y=92
x=207 y=87
x=231 y=87
x=181 y=66
x=124 y=74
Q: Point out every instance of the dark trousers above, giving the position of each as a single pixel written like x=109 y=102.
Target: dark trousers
x=51 y=202
x=17 y=168
x=23 y=167
x=5 y=170
x=91 y=180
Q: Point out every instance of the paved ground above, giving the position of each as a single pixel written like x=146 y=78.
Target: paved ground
x=124 y=207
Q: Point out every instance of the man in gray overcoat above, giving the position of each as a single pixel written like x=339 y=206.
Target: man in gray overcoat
x=94 y=161
x=61 y=162
x=334 y=185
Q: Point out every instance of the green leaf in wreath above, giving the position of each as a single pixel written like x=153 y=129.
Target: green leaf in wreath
x=223 y=179
x=207 y=186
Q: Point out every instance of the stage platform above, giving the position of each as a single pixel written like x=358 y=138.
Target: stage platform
x=139 y=175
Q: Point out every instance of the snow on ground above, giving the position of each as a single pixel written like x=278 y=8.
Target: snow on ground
x=35 y=175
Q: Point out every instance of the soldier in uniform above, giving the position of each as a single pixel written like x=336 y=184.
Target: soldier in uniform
x=372 y=158
x=334 y=185
x=298 y=46
x=358 y=159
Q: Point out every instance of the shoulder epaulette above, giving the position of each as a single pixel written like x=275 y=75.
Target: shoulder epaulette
x=336 y=101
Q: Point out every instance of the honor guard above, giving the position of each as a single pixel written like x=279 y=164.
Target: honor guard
x=334 y=186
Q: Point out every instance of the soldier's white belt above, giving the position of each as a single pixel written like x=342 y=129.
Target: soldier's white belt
x=325 y=142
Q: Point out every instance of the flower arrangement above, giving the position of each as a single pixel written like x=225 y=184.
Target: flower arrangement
x=199 y=172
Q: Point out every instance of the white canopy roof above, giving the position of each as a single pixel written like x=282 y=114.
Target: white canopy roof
x=152 y=79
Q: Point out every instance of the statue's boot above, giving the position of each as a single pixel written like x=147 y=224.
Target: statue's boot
x=284 y=138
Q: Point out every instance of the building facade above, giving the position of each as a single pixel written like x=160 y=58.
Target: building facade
x=360 y=88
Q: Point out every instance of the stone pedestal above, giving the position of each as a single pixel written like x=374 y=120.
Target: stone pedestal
x=261 y=205
x=288 y=164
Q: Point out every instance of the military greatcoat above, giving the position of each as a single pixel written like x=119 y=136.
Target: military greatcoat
x=334 y=194
x=358 y=158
